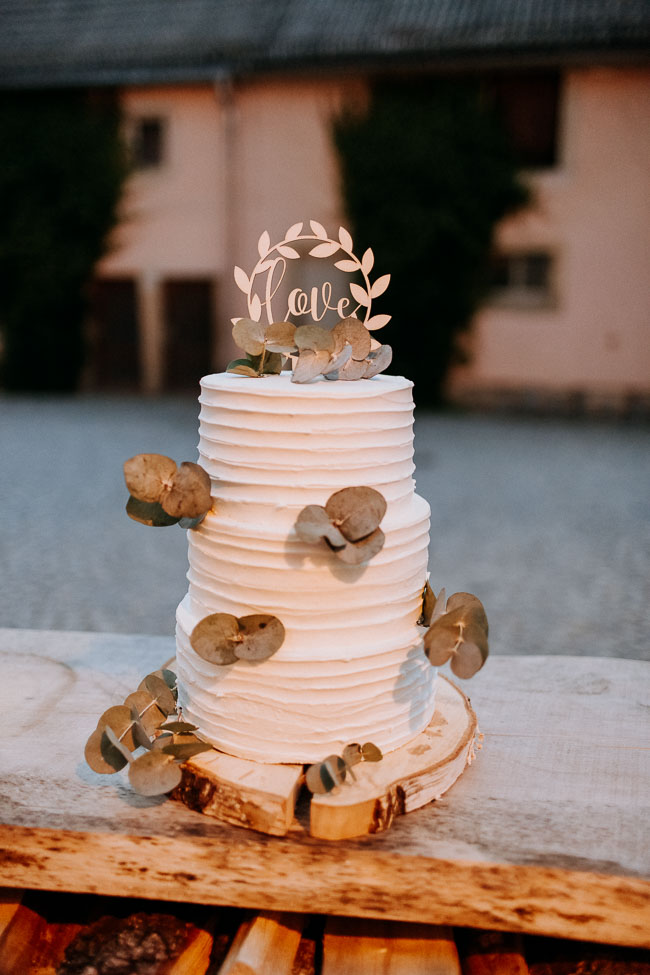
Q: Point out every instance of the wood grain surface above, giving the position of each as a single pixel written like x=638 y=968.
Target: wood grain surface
x=547 y=832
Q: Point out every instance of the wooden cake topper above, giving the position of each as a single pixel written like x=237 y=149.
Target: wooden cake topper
x=263 y=286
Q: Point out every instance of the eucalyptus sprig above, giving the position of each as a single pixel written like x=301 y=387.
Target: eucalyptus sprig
x=325 y=776
x=348 y=523
x=266 y=347
x=141 y=722
x=222 y=638
x=457 y=631
x=161 y=494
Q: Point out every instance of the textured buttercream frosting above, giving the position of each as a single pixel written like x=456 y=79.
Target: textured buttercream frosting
x=351 y=667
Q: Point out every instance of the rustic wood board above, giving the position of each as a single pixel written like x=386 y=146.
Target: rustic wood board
x=363 y=947
x=547 y=832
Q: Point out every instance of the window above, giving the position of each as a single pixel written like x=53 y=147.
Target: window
x=148 y=142
x=521 y=280
x=527 y=103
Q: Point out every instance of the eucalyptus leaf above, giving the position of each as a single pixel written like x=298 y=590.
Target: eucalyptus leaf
x=178 y=727
x=191 y=523
x=371 y=753
x=262 y=634
x=118 y=719
x=249 y=336
x=272 y=365
x=187 y=750
x=352 y=754
x=313 y=524
x=355 y=553
x=428 y=604
x=309 y=365
x=154 y=774
x=356 y=511
x=146 y=709
x=188 y=495
x=243 y=367
x=280 y=337
x=471 y=653
x=314 y=339
x=214 y=638
x=378 y=360
x=353 y=331
x=142 y=739
x=476 y=610
x=338 y=359
x=109 y=734
x=146 y=474
x=149 y=513
x=101 y=755
x=352 y=370
x=162 y=694
x=169 y=678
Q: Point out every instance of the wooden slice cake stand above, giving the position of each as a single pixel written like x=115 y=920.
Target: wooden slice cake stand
x=264 y=797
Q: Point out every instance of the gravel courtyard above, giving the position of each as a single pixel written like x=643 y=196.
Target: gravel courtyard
x=546 y=520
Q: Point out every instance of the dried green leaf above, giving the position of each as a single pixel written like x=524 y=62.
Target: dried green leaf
x=189 y=524
x=146 y=475
x=148 y=713
x=476 y=610
x=365 y=549
x=101 y=756
x=356 y=511
x=249 y=336
x=116 y=742
x=178 y=727
x=188 y=493
x=142 y=739
x=187 y=750
x=169 y=678
x=429 y=602
x=272 y=365
x=352 y=754
x=441 y=639
x=326 y=775
x=313 y=524
x=162 y=694
x=371 y=753
x=215 y=637
x=262 y=634
x=118 y=718
x=280 y=337
x=338 y=360
x=309 y=365
x=314 y=338
x=471 y=654
x=378 y=360
x=154 y=774
x=166 y=738
x=243 y=367
x=353 y=331
x=352 y=370
x=149 y=513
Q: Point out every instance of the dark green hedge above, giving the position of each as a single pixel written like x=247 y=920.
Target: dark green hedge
x=427 y=173
x=62 y=167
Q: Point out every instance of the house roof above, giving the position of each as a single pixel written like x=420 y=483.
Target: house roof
x=81 y=42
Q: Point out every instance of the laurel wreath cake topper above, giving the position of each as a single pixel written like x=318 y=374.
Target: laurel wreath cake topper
x=271 y=268
x=346 y=351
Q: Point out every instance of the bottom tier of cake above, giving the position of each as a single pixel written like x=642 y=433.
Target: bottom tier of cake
x=301 y=711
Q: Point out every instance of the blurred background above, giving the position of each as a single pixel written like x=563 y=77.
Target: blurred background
x=495 y=156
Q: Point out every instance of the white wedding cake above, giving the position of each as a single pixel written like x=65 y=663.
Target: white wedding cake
x=351 y=667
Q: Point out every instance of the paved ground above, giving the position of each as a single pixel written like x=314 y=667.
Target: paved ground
x=548 y=521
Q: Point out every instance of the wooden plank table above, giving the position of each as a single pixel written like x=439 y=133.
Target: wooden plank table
x=546 y=833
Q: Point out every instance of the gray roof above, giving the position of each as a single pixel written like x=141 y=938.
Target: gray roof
x=68 y=42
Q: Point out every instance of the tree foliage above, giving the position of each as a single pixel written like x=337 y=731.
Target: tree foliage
x=62 y=167
x=427 y=173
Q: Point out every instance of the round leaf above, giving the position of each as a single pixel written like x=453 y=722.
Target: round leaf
x=314 y=338
x=249 y=336
x=338 y=360
x=352 y=754
x=149 y=513
x=353 y=369
x=154 y=774
x=471 y=654
x=473 y=605
x=280 y=337
x=441 y=639
x=353 y=331
x=119 y=720
x=313 y=524
x=355 y=553
x=188 y=749
x=147 y=474
x=378 y=360
x=215 y=638
x=262 y=636
x=272 y=365
x=371 y=753
x=356 y=511
x=309 y=365
x=150 y=715
x=101 y=755
x=188 y=495
x=160 y=691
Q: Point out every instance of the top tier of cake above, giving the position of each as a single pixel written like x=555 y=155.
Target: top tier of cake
x=351 y=667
